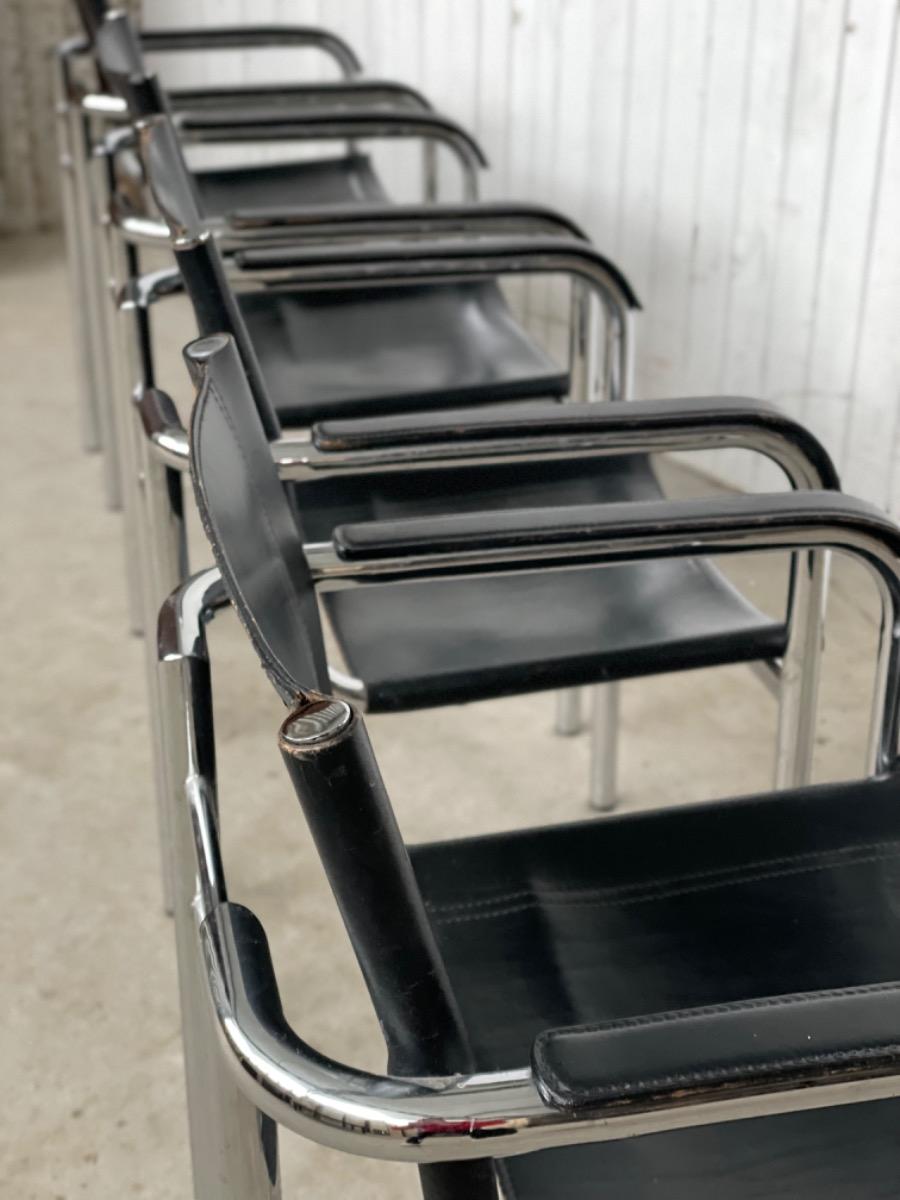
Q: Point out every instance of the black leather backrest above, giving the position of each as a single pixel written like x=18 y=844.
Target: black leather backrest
x=249 y=522
x=118 y=48
x=197 y=254
x=91 y=13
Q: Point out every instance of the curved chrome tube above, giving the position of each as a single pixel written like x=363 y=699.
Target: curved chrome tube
x=492 y=1115
x=254 y=37
x=299 y=458
x=423 y=126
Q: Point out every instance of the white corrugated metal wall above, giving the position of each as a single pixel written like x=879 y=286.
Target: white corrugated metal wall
x=739 y=158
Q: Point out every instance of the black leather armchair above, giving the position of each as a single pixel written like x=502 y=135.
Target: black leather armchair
x=435 y=643
x=85 y=110
x=700 y=1000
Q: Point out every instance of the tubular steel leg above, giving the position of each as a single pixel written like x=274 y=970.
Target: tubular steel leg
x=801 y=669
x=124 y=379
x=430 y=183
x=95 y=298
x=87 y=394
x=234 y=1147
x=165 y=567
x=604 y=745
x=569 y=720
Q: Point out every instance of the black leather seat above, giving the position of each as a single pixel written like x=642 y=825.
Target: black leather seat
x=285 y=185
x=449 y=641
x=388 y=350
x=706 y=905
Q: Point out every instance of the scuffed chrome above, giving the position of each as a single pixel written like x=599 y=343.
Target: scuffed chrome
x=496 y=1114
x=299 y=458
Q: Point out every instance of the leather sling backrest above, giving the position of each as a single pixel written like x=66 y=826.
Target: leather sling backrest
x=249 y=522
x=167 y=174
x=91 y=13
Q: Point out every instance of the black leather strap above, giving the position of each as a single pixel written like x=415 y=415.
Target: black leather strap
x=579 y=524
x=787 y=1040
x=362 y=263
x=353 y=89
x=543 y=419
x=284 y=122
x=429 y=218
x=247 y=517
x=247 y=37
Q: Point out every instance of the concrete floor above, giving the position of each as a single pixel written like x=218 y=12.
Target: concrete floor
x=90 y=1042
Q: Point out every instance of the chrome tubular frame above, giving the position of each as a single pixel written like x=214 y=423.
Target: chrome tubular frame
x=234 y=1149
x=246 y=37
x=415 y=126
x=574 y=261
x=261 y=1071
x=605 y=697
x=66 y=100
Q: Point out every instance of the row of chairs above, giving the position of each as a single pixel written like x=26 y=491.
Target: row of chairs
x=379 y=444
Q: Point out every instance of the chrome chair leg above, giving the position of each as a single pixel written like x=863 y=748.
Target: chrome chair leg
x=604 y=746
x=569 y=719
x=87 y=394
x=124 y=378
x=430 y=174
x=95 y=298
x=801 y=669
x=234 y=1147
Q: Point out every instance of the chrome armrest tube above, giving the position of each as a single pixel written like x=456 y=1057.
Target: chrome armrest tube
x=421 y=220
x=354 y=92
x=254 y=37
x=338 y=124
x=488 y=436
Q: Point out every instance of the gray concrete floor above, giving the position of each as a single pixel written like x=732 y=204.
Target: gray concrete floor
x=90 y=1043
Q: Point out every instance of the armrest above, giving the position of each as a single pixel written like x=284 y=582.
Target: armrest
x=774 y=1042
x=367 y=220
x=592 y=533
x=648 y=425
x=253 y=37
x=354 y=92
x=280 y=123
x=418 y=261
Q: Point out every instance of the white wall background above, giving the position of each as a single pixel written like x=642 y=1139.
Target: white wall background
x=739 y=158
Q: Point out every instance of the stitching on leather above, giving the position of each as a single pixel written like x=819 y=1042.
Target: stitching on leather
x=831 y=1058
x=620 y=898
x=545 y=1040
x=714 y=872
x=506 y=1183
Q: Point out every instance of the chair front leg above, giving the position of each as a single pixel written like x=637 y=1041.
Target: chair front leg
x=75 y=250
x=234 y=1147
x=94 y=299
x=605 y=700
x=801 y=669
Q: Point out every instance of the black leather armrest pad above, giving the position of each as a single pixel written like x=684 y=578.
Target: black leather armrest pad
x=778 y=1040
x=449 y=217
x=336 y=120
x=543 y=419
x=534 y=528
x=518 y=254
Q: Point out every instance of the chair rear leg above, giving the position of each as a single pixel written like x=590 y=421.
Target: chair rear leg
x=604 y=746
x=801 y=669
x=569 y=719
x=90 y=429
